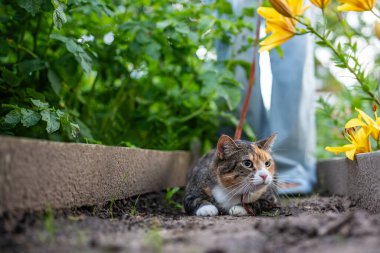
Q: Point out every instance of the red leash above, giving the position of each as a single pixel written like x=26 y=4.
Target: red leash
x=251 y=80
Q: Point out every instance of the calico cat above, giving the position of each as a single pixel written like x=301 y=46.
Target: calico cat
x=232 y=179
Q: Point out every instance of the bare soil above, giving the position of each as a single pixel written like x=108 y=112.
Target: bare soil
x=150 y=223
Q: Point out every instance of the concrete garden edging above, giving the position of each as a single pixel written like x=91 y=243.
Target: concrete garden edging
x=358 y=179
x=35 y=174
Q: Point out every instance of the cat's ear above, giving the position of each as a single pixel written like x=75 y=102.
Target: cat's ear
x=267 y=143
x=226 y=145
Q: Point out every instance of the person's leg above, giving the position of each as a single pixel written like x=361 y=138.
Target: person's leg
x=292 y=114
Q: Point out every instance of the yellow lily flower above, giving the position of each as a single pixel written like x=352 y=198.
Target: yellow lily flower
x=359 y=140
x=320 y=3
x=279 y=21
x=282 y=7
x=364 y=120
x=356 y=5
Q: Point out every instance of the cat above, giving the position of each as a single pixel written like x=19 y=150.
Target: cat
x=233 y=179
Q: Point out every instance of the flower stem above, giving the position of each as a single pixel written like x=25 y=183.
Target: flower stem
x=374 y=13
x=341 y=56
x=324 y=22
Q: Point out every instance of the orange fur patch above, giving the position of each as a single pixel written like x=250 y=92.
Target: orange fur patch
x=229 y=179
x=208 y=191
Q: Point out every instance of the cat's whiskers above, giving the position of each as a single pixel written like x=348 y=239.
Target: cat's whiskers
x=279 y=187
x=235 y=190
x=239 y=190
x=232 y=186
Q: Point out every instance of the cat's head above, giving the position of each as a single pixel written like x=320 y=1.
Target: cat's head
x=243 y=164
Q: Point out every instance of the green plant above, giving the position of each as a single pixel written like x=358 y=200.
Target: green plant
x=111 y=206
x=49 y=225
x=170 y=192
x=154 y=239
x=137 y=73
x=133 y=210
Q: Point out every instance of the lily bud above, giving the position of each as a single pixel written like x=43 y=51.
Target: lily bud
x=320 y=3
x=377 y=29
x=282 y=7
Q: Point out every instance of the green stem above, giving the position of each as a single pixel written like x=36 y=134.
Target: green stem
x=35 y=33
x=48 y=40
x=341 y=57
x=374 y=13
x=194 y=114
x=324 y=22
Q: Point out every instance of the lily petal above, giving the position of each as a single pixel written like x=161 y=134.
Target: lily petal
x=345 y=148
x=354 y=123
x=351 y=154
x=366 y=118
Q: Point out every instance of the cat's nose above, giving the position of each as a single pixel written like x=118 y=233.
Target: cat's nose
x=263 y=175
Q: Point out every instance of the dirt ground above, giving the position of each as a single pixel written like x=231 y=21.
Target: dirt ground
x=151 y=223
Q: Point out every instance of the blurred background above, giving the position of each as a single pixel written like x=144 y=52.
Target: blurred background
x=146 y=73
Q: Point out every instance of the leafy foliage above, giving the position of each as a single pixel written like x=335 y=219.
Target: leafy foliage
x=142 y=73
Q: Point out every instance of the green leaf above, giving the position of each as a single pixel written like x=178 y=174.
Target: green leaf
x=321 y=43
x=35 y=94
x=230 y=94
x=279 y=52
x=209 y=80
x=59 y=17
x=51 y=119
x=29 y=66
x=142 y=37
x=77 y=50
x=59 y=37
x=163 y=24
x=153 y=50
x=74 y=130
x=55 y=81
x=182 y=28
x=31 y=6
x=80 y=55
x=29 y=117
x=249 y=12
x=40 y=105
x=13 y=117
x=60 y=113
x=10 y=78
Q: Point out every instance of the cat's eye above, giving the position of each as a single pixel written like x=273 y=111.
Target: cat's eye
x=268 y=163
x=247 y=163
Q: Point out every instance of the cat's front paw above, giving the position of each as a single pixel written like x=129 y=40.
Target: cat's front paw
x=207 y=210
x=237 y=211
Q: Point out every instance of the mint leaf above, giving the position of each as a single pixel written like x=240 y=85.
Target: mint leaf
x=29 y=66
x=29 y=117
x=77 y=50
x=51 y=119
x=31 y=6
x=55 y=81
x=40 y=104
x=10 y=77
x=230 y=94
x=59 y=16
x=13 y=117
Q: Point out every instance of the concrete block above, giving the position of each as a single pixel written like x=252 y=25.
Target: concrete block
x=358 y=179
x=36 y=173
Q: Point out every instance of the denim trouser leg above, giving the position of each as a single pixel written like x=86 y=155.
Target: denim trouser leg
x=292 y=113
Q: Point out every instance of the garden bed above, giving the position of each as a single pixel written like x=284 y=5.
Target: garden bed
x=358 y=179
x=37 y=174
x=150 y=224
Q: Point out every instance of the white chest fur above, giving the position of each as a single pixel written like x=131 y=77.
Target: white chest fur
x=226 y=198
